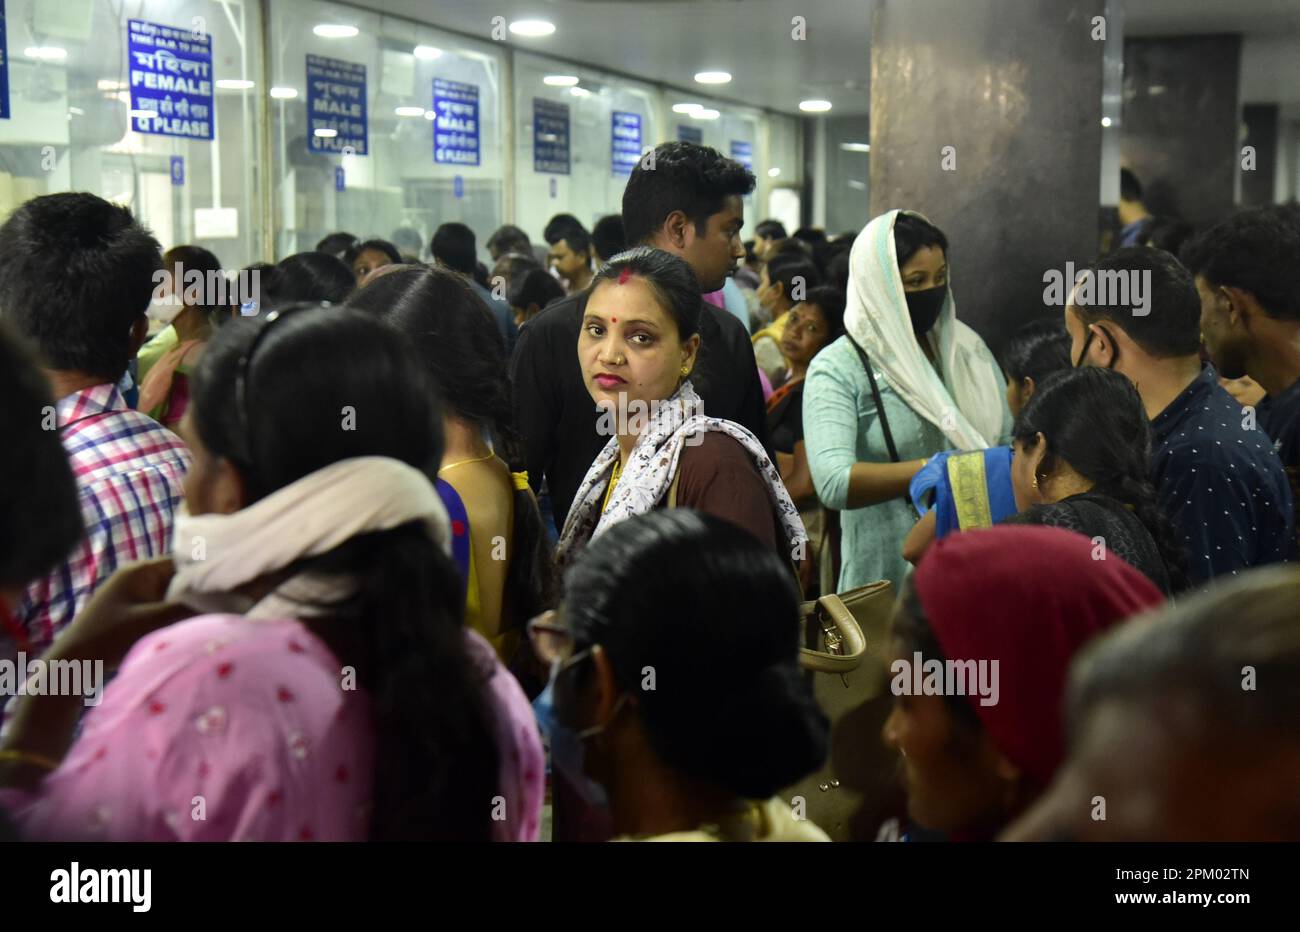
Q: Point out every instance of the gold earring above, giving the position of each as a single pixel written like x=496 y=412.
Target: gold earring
x=1035 y=482
x=686 y=370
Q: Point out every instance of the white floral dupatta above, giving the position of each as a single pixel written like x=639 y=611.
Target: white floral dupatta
x=650 y=470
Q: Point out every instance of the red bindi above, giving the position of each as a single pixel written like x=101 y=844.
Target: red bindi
x=614 y=319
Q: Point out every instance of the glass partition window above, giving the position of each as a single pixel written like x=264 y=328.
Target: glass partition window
x=398 y=128
x=160 y=116
x=578 y=133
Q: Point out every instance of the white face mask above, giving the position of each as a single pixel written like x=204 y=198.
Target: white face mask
x=165 y=309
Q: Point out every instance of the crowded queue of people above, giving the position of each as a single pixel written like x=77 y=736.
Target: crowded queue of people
x=417 y=588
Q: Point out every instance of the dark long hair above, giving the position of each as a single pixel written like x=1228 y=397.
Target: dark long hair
x=911 y=233
x=1093 y=419
x=460 y=345
x=308 y=276
x=436 y=760
x=732 y=710
x=1036 y=350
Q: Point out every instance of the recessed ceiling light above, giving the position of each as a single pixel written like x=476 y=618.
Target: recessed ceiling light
x=773 y=172
x=532 y=27
x=335 y=31
x=234 y=84
x=814 y=106
x=706 y=113
x=579 y=92
x=560 y=80
x=75 y=111
x=105 y=84
x=410 y=111
x=713 y=77
x=46 y=52
x=855 y=146
x=1105 y=121
x=284 y=93
x=427 y=52
x=857 y=185
x=687 y=108
x=325 y=133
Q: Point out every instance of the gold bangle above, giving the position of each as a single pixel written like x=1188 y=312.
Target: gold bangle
x=27 y=757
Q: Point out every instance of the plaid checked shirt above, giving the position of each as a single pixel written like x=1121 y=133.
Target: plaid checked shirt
x=129 y=471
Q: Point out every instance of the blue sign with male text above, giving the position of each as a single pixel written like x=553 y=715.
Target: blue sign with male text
x=336 y=106
x=170 y=72
x=4 y=66
x=743 y=152
x=625 y=132
x=455 y=123
x=550 y=137
x=690 y=134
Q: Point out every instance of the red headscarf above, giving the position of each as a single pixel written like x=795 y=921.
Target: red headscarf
x=1029 y=597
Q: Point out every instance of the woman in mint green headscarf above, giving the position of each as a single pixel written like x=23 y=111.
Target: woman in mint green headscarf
x=908 y=380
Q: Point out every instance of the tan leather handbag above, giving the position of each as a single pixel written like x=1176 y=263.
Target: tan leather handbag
x=846 y=657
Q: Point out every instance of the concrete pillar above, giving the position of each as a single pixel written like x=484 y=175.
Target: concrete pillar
x=986 y=117
x=1259 y=175
x=1182 y=123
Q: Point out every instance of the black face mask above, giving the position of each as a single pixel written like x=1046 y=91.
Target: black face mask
x=924 y=307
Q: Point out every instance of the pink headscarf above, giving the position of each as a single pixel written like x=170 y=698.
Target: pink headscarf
x=1029 y=597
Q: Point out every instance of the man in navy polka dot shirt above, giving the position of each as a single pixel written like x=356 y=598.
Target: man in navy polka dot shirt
x=1247 y=272
x=1214 y=468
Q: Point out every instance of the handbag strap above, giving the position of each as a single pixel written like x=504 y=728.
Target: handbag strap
x=875 y=397
x=880 y=412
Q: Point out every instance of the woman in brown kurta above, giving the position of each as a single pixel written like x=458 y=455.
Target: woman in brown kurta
x=638 y=345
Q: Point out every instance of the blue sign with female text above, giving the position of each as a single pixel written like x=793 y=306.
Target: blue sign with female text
x=550 y=136
x=625 y=131
x=170 y=71
x=336 y=106
x=743 y=152
x=455 y=122
x=4 y=66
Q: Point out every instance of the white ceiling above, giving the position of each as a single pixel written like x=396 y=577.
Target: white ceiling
x=668 y=41
x=1179 y=17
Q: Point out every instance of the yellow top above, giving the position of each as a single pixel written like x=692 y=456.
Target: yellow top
x=613 y=481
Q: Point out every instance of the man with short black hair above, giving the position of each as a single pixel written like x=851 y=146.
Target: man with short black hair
x=1247 y=272
x=453 y=247
x=1215 y=473
x=570 y=257
x=608 y=238
x=76 y=275
x=508 y=239
x=767 y=236
x=689 y=204
x=1134 y=218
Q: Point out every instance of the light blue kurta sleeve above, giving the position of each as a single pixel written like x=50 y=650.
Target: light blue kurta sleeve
x=833 y=423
